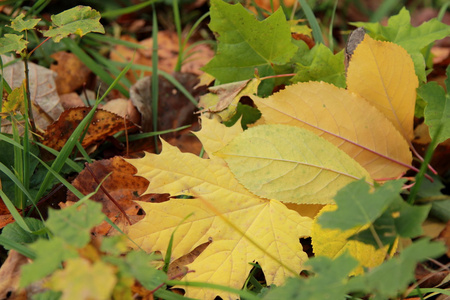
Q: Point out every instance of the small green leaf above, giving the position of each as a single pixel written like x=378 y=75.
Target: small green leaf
x=437 y=111
x=357 y=206
x=320 y=64
x=329 y=282
x=49 y=255
x=18 y=23
x=15 y=233
x=73 y=224
x=249 y=116
x=114 y=245
x=139 y=264
x=393 y=276
x=400 y=219
x=12 y=42
x=79 y=20
x=245 y=43
x=413 y=39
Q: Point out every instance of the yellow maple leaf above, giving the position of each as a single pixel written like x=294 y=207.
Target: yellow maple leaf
x=383 y=74
x=334 y=242
x=343 y=118
x=215 y=136
x=290 y=164
x=226 y=260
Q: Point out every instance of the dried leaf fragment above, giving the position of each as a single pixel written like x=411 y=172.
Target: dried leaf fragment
x=104 y=124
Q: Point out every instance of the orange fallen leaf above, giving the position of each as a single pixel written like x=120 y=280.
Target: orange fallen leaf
x=103 y=125
x=122 y=185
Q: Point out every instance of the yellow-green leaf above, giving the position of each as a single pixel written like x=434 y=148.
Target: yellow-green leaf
x=274 y=227
x=344 y=119
x=15 y=101
x=79 y=20
x=290 y=164
x=383 y=73
x=19 y=24
x=82 y=279
x=333 y=242
x=12 y=42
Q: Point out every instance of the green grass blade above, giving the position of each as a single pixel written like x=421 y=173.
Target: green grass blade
x=317 y=34
x=93 y=65
x=112 y=41
x=385 y=9
x=109 y=65
x=13 y=211
x=126 y=10
x=18 y=247
x=330 y=34
x=19 y=197
x=155 y=79
x=244 y=294
x=18 y=183
x=144 y=135
x=164 y=74
x=70 y=144
x=176 y=14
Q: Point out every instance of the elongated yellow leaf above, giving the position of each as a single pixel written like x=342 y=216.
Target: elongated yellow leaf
x=290 y=164
x=226 y=260
x=344 y=119
x=383 y=74
x=333 y=242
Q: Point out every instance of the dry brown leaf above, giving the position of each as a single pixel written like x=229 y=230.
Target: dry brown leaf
x=71 y=100
x=103 y=125
x=44 y=98
x=174 y=109
x=122 y=185
x=167 y=54
x=10 y=277
x=72 y=72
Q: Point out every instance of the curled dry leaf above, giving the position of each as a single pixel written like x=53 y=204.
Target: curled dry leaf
x=122 y=185
x=174 y=109
x=44 y=98
x=103 y=125
x=10 y=277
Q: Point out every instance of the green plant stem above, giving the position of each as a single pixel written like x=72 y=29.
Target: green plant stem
x=176 y=14
x=155 y=79
x=423 y=168
x=28 y=95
